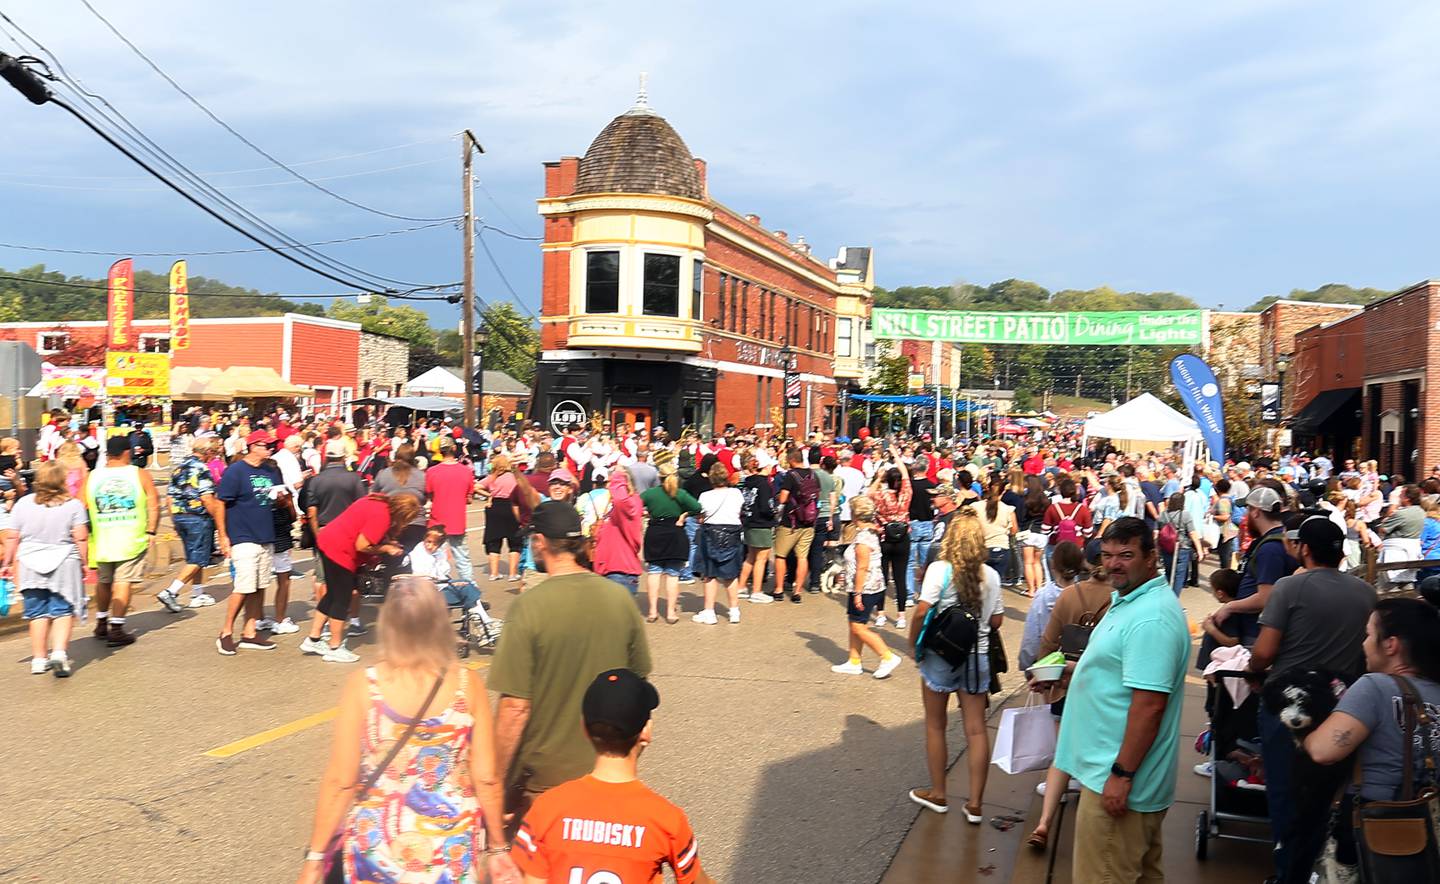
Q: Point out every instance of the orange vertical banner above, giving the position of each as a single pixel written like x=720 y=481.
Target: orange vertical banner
x=120 y=306
x=179 y=307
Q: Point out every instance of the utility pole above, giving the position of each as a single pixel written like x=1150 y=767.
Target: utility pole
x=468 y=148
x=1129 y=364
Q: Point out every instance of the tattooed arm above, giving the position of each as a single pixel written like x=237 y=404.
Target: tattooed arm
x=1335 y=738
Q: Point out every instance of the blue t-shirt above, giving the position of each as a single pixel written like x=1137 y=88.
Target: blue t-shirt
x=1265 y=562
x=245 y=491
x=1141 y=643
x=1171 y=487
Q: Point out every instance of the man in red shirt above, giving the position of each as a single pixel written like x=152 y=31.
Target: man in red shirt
x=450 y=485
x=608 y=827
x=1034 y=464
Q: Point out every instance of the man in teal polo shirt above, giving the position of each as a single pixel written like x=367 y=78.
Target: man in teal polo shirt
x=1121 y=730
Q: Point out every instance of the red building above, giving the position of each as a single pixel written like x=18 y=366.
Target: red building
x=310 y=350
x=661 y=305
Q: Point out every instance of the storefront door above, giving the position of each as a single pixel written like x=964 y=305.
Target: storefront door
x=633 y=417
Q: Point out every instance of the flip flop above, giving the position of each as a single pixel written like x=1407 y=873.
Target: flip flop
x=652 y=618
x=1037 y=841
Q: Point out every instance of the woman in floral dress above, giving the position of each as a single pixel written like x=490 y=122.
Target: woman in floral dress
x=431 y=813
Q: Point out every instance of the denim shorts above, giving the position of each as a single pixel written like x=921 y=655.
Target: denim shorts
x=197 y=534
x=629 y=581
x=870 y=602
x=973 y=677
x=42 y=604
x=669 y=569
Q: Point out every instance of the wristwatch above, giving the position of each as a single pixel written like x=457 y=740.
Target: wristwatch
x=314 y=856
x=1117 y=771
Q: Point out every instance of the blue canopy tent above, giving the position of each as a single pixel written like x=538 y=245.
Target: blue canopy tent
x=887 y=399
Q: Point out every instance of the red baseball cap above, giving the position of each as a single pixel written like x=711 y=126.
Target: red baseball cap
x=260 y=437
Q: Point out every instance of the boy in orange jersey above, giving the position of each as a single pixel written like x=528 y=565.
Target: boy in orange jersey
x=608 y=827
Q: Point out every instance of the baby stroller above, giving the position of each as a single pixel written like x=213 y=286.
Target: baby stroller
x=1237 y=779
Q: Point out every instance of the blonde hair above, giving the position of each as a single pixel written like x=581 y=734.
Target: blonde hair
x=9 y=445
x=963 y=547
x=69 y=455
x=500 y=464
x=49 y=484
x=862 y=509
x=414 y=627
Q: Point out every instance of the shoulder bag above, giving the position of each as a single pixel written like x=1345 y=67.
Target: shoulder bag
x=1396 y=840
x=952 y=633
x=335 y=862
x=1075 y=637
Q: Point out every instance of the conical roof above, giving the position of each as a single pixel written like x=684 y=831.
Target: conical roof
x=639 y=153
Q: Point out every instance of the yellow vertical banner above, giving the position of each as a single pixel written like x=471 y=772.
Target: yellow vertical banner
x=179 y=307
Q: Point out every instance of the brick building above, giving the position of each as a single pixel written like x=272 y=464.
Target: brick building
x=1402 y=347
x=309 y=350
x=1328 y=371
x=1234 y=350
x=660 y=304
x=1279 y=324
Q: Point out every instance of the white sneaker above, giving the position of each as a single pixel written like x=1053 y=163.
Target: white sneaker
x=879 y=620
x=742 y=595
x=1205 y=769
x=900 y=622
x=265 y=623
x=284 y=627
x=39 y=665
x=888 y=666
x=761 y=598
x=848 y=668
x=1040 y=788
x=167 y=598
x=341 y=654
x=734 y=615
x=315 y=646
x=201 y=599
x=706 y=617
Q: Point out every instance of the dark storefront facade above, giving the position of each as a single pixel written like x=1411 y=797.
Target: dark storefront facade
x=667 y=393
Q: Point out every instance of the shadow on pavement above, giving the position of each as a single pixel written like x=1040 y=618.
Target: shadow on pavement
x=814 y=814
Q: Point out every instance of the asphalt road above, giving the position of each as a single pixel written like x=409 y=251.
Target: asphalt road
x=788 y=772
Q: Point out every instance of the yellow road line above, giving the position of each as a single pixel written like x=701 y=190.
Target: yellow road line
x=230 y=750
x=275 y=733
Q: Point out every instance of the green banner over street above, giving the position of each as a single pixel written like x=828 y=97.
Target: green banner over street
x=1179 y=328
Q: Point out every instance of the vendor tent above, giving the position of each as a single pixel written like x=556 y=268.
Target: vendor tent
x=256 y=382
x=188 y=383
x=1143 y=424
x=425 y=403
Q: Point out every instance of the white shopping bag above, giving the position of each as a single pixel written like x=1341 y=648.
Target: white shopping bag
x=1026 y=740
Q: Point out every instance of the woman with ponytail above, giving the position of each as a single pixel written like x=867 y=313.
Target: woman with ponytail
x=959 y=577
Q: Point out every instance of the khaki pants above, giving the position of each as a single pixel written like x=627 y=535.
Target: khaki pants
x=1116 y=851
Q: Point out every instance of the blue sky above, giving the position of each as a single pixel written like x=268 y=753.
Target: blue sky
x=1223 y=152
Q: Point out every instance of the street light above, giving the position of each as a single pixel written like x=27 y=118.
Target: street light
x=482 y=337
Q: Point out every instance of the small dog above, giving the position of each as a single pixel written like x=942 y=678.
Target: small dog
x=1302 y=699
x=832 y=579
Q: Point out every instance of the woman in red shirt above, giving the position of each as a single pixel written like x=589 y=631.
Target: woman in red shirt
x=367 y=528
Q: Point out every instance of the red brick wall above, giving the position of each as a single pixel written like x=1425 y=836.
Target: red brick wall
x=1328 y=358
x=325 y=356
x=1401 y=336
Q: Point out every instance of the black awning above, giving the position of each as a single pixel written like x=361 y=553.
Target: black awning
x=1328 y=404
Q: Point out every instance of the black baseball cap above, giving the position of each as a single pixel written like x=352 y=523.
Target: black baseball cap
x=117 y=445
x=556 y=520
x=1319 y=533
x=621 y=699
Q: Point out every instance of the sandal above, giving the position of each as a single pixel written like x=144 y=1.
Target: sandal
x=1038 y=840
x=672 y=620
x=652 y=618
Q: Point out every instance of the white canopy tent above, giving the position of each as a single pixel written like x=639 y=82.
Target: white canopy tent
x=1145 y=423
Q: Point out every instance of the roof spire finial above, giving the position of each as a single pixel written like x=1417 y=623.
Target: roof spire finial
x=642 y=98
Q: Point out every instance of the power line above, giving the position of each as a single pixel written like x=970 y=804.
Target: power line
x=481 y=225
x=250 y=186
x=334 y=159
x=404 y=296
x=121 y=253
x=246 y=141
x=480 y=237
x=38 y=94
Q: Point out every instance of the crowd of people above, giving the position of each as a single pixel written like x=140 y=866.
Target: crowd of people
x=618 y=519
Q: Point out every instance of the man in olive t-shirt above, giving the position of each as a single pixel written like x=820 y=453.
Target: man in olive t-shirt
x=558 y=636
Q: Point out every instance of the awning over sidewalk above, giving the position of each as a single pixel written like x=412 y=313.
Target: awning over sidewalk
x=1328 y=404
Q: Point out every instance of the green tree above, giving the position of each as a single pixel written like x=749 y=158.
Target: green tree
x=40 y=295
x=380 y=317
x=1330 y=293
x=514 y=345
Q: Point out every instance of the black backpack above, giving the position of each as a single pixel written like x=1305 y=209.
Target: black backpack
x=951 y=633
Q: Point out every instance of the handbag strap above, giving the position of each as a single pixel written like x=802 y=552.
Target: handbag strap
x=1415 y=715
x=399 y=744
